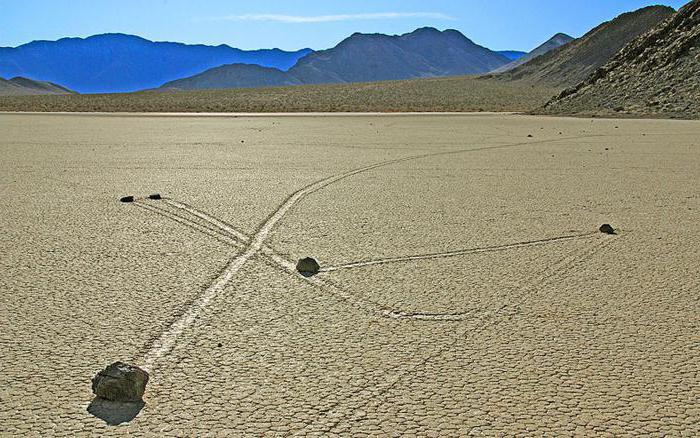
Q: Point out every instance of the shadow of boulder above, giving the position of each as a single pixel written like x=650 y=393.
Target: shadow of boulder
x=115 y=413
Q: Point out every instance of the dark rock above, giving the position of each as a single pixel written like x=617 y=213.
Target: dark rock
x=308 y=267
x=120 y=382
x=529 y=135
x=155 y=197
x=607 y=229
x=127 y=199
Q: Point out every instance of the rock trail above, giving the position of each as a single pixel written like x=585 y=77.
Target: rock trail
x=165 y=343
x=455 y=253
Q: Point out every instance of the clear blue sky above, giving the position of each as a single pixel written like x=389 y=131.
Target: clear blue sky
x=294 y=24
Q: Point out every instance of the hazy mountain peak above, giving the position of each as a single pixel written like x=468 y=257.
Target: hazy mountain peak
x=562 y=37
x=115 y=35
x=425 y=52
x=554 y=42
x=424 y=30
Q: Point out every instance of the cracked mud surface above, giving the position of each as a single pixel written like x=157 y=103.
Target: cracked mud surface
x=453 y=303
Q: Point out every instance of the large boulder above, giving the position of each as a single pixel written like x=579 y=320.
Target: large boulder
x=308 y=267
x=120 y=382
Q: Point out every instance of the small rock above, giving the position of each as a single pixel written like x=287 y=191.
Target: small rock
x=127 y=199
x=308 y=267
x=155 y=197
x=529 y=135
x=219 y=345
x=607 y=229
x=120 y=382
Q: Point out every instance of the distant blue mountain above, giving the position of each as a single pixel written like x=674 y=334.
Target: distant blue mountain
x=512 y=54
x=113 y=63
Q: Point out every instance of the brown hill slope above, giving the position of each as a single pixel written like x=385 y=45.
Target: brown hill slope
x=657 y=74
x=234 y=76
x=574 y=62
x=20 y=86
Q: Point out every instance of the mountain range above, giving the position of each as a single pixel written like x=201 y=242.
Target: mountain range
x=112 y=63
x=423 y=53
x=122 y=63
x=645 y=62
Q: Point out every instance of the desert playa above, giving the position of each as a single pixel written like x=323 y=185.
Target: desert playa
x=464 y=285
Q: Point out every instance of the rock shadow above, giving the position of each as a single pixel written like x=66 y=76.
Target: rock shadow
x=115 y=413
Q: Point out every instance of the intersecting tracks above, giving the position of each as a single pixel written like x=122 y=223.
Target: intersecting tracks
x=256 y=244
x=226 y=233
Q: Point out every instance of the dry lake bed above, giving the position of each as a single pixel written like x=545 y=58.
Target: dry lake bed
x=464 y=286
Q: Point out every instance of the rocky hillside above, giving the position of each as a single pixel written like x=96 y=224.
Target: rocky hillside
x=20 y=86
x=657 y=74
x=555 y=42
x=424 y=53
x=575 y=61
